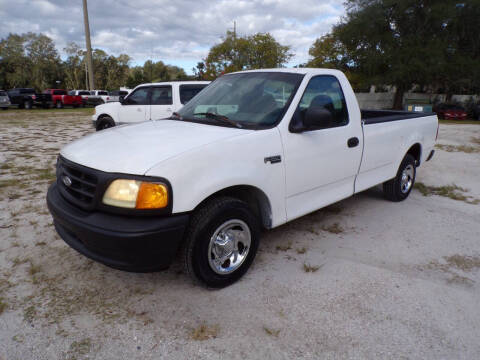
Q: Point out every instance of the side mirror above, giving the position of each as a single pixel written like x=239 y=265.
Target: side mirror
x=314 y=118
x=317 y=117
x=121 y=98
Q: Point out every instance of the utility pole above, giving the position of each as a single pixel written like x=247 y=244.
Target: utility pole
x=89 y=46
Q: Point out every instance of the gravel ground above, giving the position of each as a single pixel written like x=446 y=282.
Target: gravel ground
x=363 y=278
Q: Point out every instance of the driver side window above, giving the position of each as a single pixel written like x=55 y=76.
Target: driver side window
x=325 y=91
x=138 y=97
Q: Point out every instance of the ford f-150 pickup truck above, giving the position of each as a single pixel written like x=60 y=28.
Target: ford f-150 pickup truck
x=253 y=150
x=147 y=102
x=61 y=98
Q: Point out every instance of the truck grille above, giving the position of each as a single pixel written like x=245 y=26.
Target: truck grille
x=78 y=184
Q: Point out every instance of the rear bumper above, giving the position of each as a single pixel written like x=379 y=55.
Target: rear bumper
x=138 y=244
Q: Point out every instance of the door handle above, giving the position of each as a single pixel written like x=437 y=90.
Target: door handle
x=352 y=142
x=139 y=109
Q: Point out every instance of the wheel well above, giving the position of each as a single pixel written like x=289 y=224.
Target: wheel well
x=253 y=196
x=416 y=151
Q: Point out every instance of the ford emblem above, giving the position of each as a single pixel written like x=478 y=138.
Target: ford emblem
x=67 y=181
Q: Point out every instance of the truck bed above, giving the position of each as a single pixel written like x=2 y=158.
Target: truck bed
x=380 y=116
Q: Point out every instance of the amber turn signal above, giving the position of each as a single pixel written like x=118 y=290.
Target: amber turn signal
x=152 y=196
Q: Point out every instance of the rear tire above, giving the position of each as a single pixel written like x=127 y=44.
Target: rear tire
x=58 y=105
x=28 y=105
x=221 y=242
x=398 y=188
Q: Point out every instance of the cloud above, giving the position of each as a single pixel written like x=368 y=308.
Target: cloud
x=179 y=32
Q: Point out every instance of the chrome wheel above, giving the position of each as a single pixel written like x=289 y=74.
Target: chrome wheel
x=229 y=246
x=407 y=179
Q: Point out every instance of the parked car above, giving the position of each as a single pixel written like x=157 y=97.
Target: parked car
x=26 y=98
x=450 y=112
x=102 y=94
x=233 y=160
x=147 y=102
x=117 y=95
x=476 y=112
x=89 y=99
x=4 y=100
x=61 y=98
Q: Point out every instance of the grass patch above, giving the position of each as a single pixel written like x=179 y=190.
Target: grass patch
x=311 y=268
x=46 y=174
x=453 y=192
x=302 y=250
x=271 y=332
x=458 y=148
x=284 y=247
x=463 y=262
x=29 y=313
x=204 y=332
x=334 y=228
x=475 y=140
x=459 y=122
x=7 y=183
x=3 y=305
x=81 y=347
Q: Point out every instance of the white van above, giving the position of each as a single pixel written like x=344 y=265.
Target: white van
x=147 y=102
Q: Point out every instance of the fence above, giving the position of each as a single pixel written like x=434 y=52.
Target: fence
x=384 y=100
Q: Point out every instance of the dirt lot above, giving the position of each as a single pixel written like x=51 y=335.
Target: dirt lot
x=364 y=278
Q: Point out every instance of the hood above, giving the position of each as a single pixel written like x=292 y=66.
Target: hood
x=110 y=106
x=133 y=149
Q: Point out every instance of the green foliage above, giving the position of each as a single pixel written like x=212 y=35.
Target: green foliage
x=432 y=44
x=154 y=72
x=31 y=60
x=234 y=53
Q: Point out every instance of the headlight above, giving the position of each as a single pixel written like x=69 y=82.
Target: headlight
x=134 y=194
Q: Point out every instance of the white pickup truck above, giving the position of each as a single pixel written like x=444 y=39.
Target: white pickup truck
x=254 y=150
x=147 y=102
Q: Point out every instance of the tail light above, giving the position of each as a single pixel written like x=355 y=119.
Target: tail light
x=33 y=97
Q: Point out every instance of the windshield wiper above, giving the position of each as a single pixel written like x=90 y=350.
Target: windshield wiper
x=220 y=118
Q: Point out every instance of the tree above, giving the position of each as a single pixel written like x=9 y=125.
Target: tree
x=405 y=43
x=399 y=43
x=234 y=53
x=74 y=67
x=44 y=64
x=13 y=62
x=328 y=52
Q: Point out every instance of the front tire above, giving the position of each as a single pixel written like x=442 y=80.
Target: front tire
x=104 y=123
x=221 y=242
x=58 y=105
x=398 y=188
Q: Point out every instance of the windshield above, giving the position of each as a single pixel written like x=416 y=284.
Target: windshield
x=257 y=99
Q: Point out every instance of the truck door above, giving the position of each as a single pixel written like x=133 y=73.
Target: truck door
x=134 y=108
x=321 y=164
x=161 y=102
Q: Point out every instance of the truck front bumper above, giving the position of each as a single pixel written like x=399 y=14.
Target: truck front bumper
x=138 y=244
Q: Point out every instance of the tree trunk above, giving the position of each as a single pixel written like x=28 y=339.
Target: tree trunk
x=398 y=99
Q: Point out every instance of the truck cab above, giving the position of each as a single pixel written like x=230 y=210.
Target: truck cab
x=147 y=102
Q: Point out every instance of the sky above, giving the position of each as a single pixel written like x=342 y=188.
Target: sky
x=178 y=32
